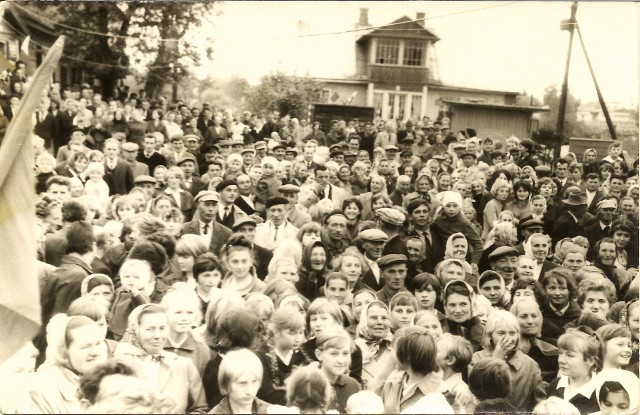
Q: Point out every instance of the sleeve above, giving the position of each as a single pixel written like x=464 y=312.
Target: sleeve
x=475 y=242
x=356 y=364
x=538 y=392
x=196 y=391
x=129 y=179
x=490 y=215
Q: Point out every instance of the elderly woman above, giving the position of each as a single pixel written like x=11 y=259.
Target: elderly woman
x=529 y=316
x=76 y=346
x=537 y=248
x=174 y=376
x=500 y=191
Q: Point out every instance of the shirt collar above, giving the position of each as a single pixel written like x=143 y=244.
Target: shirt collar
x=585 y=390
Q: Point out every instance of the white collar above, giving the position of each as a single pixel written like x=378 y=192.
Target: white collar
x=286 y=359
x=585 y=390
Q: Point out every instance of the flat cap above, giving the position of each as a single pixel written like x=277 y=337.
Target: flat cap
x=390 y=147
x=503 y=251
x=243 y=221
x=191 y=137
x=247 y=150
x=390 y=215
x=278 y=147
x=350 y=154
x=406 y=153
x=274 y=201
x=289 y=188
x=468 y=154
x=391 y=259
x=291 y=150
x=373 y=235
x=407 y=139
x=260 y=144
x=144 y=179
x=128 y=146
x=225 y=143
x=531 y=223
x=188 y=157
x=607 y=203
x=207 y=196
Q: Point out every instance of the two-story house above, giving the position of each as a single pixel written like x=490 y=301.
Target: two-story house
x=396 y=72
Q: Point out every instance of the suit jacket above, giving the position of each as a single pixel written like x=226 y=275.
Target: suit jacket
x=266 y=236
x=197 y=185
x=63 y=287
x=212 y=136
x=547 y=266
x=565 y=227
x=592 y=207
x=337 y=196
x=261 y=259
x=139 y=169
x=235 y=214
x=219 y=234
x=594 y=233
x=187 y=205
x=63 y=132
x=370 y=280
x=46 y=128
x=120 y=179
x=202 y=126
x=298 y=217
x=154 y=161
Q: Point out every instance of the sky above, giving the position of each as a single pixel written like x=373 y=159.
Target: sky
x=516 y=46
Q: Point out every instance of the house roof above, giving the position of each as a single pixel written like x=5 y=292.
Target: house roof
x=439 y=85
x=403 y=27
x=495 y=106
x=28 y=24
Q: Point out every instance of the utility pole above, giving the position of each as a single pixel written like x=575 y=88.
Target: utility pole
x=570 y=26
x=603 y=105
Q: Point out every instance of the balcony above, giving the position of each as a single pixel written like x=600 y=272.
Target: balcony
x=398 y=74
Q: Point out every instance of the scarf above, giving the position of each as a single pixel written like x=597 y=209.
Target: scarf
x=371 y=346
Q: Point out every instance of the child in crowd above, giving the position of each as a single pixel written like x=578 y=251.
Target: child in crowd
x=491 y=285
x=365 y=402
x=241 y=277
x=207 y=273
x=281 y=354
x=453 y=356
x=580 y=351
x=333 y=350
x=336 y=286
x=137 y=281
x=239 y=379
x=309 y=391
x=560 y=291
x=96 y=187
x=616 y=346
x=427 y=289
x=402 y=307
x=183 y=314
x=490 y=383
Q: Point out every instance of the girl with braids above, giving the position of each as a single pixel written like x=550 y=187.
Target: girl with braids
x=285 y=334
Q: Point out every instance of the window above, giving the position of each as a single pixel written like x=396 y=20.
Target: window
x=413 y=54
x=387 y=52
x=324 y=97
x=378 y=103
x=416 y=107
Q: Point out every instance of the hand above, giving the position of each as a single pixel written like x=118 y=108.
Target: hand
x=503 y=348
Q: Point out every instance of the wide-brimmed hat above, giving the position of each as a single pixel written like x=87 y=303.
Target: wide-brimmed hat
x=574 y=196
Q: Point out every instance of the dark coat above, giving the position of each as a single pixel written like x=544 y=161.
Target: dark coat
x=63 y=287
x=219 y=234
x=212 y=136
x=154 y=161
x=443 y=227
x=46 y=128
x=261 y=259
x=63 y=130
x=120 y=179
x=594 y=233
x=565 y=227
x=370 y=280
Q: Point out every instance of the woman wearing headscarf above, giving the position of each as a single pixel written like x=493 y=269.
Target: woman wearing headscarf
x=373 y=337
x=423 y=186
x=76 y=345
x=450 y=220
x=617 y=392
x=589 y=162
x=458 y=299
x=537 y=248
x=174 y=376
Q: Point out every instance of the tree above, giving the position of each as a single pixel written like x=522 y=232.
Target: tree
x=136 y=28
x=549 y=119
x=288 y=94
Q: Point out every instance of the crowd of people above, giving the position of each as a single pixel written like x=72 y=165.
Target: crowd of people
x=205 y=260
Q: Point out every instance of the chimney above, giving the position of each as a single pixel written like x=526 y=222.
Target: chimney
x=420 y=17
x=364 y=18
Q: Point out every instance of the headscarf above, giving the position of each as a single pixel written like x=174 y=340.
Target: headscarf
x=584 y=155
x=629 y=382
x=131 y=335
x=84 y=287
x=448 y=252
x=460 y=262
x=370 y=345
x=57 y=352
x=528 y=250
x=504 y=298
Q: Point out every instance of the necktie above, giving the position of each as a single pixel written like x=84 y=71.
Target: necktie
x=606 y=230
x=157 y=358
x=226 y=213
x=275 y=235
x=205 y=229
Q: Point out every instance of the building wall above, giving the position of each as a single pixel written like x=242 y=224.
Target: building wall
x=497 y=123
x=436 y=94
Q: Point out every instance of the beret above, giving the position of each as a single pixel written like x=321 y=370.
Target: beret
x=274 y=201
x=373 y=235
x=503 y=251
x=224 y=184
x=530 y=223
x=390 y=215
x=391 y=259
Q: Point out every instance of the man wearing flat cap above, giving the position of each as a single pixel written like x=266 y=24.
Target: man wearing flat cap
x=192 y=181
x=504 y=261
x=372 y=241
x=393 y=271
x=276 y=228
x=566 y=226
x=261 y=255
x=390 y=222
x=601 y=227
x=294 y=215
x=526 y=228
x=129 y=154
x=214 y=234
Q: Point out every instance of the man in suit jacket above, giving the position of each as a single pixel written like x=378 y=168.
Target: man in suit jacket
x=150 y=156
x=276 y=229
x=261 y=255
x=46 y=126
x=593 y=192
x=216 y=132
x=214 y=234
x=373 y=241
x=192 y=181
x=566 y=226
x=228 y=213
x=327 y=190
x=129 y=153
x=601 y=227
x=118 y=173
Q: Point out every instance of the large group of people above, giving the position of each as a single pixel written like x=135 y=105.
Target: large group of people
x=198 y=259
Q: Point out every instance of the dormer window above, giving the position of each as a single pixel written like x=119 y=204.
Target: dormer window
x=400 y=52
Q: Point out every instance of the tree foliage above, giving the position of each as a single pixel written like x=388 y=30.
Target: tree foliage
x=549 y=119
x=287 y=94
x=136 y=28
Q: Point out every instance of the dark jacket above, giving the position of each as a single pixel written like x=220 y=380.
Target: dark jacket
x=120 y=179
x=272 y=389
x=583 y=404
x=565 y=227
x=443 y=227
x=219 y=234
x=63 y=287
